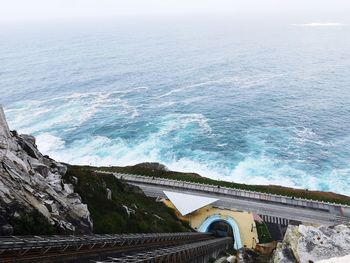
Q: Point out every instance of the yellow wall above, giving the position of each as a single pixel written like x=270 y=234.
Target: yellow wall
x=244 y=220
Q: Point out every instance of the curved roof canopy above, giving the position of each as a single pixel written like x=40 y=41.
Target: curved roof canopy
x=187 y=203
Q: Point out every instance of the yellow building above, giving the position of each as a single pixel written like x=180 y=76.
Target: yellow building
x=204 y=217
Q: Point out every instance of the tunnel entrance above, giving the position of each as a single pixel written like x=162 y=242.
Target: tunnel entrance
x=224 y=227
x=221 y=228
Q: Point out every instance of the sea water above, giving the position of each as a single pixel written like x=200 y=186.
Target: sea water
x=255 y=103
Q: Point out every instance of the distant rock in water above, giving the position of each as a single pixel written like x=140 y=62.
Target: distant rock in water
x=159 y=168
x=31 y=182
x=307 y=244
x=154 y=166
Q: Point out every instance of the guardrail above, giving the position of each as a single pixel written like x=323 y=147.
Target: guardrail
x=300 y=202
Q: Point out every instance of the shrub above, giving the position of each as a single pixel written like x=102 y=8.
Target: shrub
x=33 y=223
x=263 y=232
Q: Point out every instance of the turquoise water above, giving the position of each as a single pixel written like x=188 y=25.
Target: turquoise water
x=251 y=103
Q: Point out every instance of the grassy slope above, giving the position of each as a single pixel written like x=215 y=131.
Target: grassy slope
x=109 y=216
x=314 y=195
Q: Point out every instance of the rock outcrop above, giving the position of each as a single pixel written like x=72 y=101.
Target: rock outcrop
x=153 y=166
x=29 y=180
x=307 y=244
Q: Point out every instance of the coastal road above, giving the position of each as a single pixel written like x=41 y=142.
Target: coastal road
x=275 y=212
x=261 y=208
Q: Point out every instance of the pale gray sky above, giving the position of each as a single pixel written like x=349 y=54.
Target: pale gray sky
x=16 y=10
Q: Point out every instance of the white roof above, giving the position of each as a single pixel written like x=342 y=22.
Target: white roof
x=186 y=203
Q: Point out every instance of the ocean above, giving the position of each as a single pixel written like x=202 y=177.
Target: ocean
x=254 y=103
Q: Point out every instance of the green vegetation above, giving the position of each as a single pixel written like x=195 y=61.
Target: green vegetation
x=272 y=189
x=263 y=232
x=110 y=216
x=33 y=223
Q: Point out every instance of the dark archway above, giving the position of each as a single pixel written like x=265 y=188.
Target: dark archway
x=204 y=227
x=221 y=228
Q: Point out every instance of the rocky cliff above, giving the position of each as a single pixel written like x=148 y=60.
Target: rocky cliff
x=30 y=182
x=307 y=244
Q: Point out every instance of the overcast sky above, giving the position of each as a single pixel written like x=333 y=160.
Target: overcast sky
x=19 y=10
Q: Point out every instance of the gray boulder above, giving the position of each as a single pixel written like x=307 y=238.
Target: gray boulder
x=306 y=244
x=6 y=230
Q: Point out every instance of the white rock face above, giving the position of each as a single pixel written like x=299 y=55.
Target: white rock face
x=29 y=180
x=4 y=134
x=306 y=244
x=109 y=194
x=345 y=259
x=128 y=210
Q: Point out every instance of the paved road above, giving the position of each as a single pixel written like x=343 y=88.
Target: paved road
x=278 y=211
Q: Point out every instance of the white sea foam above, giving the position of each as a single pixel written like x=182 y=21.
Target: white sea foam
x=174 y=122
x=170 y=93
x=263 y=171
x=187 y=87
x=164 y=104
x=244 y=82
x=103 y=151
x=196 y=99
x=190 y=166
x=307 y=135
x=67 y=112
x=98 y=150
x=49 y=144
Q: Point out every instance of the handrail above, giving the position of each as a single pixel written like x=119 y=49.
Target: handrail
x=25 y=243
x=186 y=252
